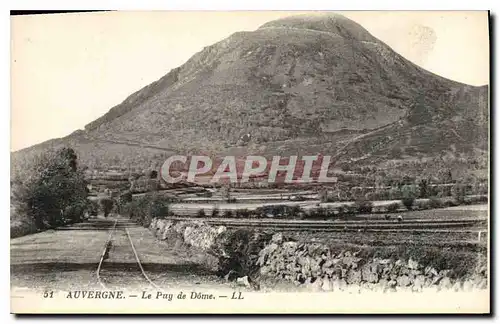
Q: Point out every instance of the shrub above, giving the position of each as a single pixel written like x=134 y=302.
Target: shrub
x=227 y=214
x=93 y=208
x=75 y=212
x=392 y=208
x=450 y=203
x=215 y=212
x=278 y=211
x=459 y=191
x=107 y=205
x=480 y=199
x=137 y=208
x=435 y=203
x=363 y=206
x=296 y=212
x=467 y=201
x=318 y=213
x=348 y=209
x=340 y=212
x=243 y=213
x=158 y=207
x=238 y=251
x=150 y=206
x=125 y=198
x=408 y=202
x=201 y=213
x=422 y=205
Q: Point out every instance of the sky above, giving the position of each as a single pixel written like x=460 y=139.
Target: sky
x=69 y=69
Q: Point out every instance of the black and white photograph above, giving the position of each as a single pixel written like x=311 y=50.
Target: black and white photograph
x=257 y=162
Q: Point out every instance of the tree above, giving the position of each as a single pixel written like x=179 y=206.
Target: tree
x=445 y=176
x=459 y=191
x=423 y=188
x=409 y=193
x=55 y=190
x=107 y=205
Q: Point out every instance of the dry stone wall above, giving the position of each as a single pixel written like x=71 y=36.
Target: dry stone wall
x=310 y=264
x=195 y=233
x=315 y=265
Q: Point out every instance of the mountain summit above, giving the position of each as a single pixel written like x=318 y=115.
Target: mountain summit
x=308 y=84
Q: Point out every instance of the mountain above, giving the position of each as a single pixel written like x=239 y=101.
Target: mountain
x=308 y=84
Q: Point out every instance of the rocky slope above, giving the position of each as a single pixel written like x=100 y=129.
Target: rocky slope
x=299 y=85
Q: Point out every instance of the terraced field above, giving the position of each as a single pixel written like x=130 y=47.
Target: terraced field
x=439 y=227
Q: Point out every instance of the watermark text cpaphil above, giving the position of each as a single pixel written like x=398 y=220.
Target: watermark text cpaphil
x=205 y=169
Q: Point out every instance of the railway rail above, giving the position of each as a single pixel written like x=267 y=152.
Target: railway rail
x=138 y=272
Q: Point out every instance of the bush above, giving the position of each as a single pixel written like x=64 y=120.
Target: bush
x=201 y=213
x=150 y=206
x=238 y=251
x=348 y=209
x=363 y=206
x=422 y=205
x=408 y=202
x=227 y=214
x=107 y=205
x=318 y=213
x=459 y=191
x=435 y=203
x=277 y=211
x=296 y=212
x=76 y=212
x=125 y=198
x=158 y=207
x=243 y=213
x=340 y=212
x=215 y=212
x=450 y=203
x=480 y=199
x=392 y=208
x=93 y=208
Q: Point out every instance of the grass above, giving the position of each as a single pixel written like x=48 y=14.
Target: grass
x=449 y=238
x=429 y=250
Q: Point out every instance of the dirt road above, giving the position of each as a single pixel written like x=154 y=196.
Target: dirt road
x=68 y=258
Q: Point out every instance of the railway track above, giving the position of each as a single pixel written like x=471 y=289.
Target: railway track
x=119 y=264
x=341 y=226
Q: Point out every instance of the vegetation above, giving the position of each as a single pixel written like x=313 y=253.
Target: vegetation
x=435 y=203
x=147 y=207
x=363 y=206
x=107 y=205
x=408 y=202
x=241 y=250
x=54 y=193
x=392 y=208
